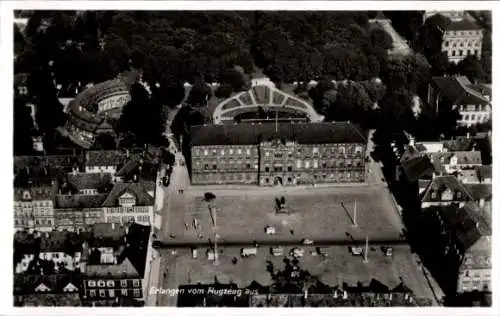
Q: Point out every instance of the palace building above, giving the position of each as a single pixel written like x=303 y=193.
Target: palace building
x=269 y=154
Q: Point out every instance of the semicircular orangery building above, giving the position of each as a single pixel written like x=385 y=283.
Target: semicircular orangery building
x=90 y=111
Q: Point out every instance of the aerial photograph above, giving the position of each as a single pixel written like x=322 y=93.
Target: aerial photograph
x=252 y=158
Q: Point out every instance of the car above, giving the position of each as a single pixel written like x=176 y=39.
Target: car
x=356 y=251
x=277 y=251
x=297 y=252
x=307 y=241
x=388 y=252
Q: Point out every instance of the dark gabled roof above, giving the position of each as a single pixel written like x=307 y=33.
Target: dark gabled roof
x=20 y=79
x=484 y=172
x=440 y=159
x=441 y=183
x=80 y=201
x=103 y=157
x=468 y=225
x=136 y=189
x=479 y=191
x=459 y=144
x=123 y=270
x=458 y=90
x=25 y=284
x=108 y=230
x=253 y=134
x=415 y=165
x=462 y=25
x=81 y=181
x=48 y=300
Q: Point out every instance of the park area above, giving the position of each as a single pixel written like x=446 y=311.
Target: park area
x=336 y=267
x=325 y=214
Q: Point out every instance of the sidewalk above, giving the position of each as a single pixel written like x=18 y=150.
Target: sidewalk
x=154 y=279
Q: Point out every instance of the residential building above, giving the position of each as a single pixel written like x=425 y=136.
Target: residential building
x=118 y=264
x=461 y=37
x=34 y=207
x=129 y=202
x=103 y=264
x=457 y=161
x=470 y=240
x=445 y=190
x=269 y=154
x=47 y=290
x=472 y=102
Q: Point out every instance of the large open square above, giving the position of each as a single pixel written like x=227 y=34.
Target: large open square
x=318 y=214
x=339 y=266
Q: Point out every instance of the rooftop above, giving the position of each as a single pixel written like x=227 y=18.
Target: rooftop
x=479 y=191
x=138 y=190
x=53 y=300
x=458 y=90
x=469 y=227
x=448 y=183
x=253 y=134
x=25 y=284
x=80 y=201
x=462 y=25
x=123 y=270
x=99 y=181
x=440 y=159
x=41 y=193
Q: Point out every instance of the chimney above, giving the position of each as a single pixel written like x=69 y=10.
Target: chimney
x=181 y=139
x=113 y=226
x=335 y=294
x=345 y=295
x=477 y=224
x=433 y=175
x=468 y=134
x=127 y=153
x=412 y=141
x=481 y=203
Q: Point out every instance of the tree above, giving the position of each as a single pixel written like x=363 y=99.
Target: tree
x=471 y=67
x=142 y=120
x=199 y=94
x=105 y=141
x=23 y=128
x=380 y=38
x=236 y=78
x=224 y=91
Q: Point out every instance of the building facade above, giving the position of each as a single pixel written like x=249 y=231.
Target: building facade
x=461 y=38
x=266 y=155
x=473 y=101
x=34 y=208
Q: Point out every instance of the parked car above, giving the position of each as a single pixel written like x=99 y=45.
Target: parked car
x=248 y=252
x=297 y=252
x=307 y=241
x=356 y=251
x=277 y=251
x=388 y=251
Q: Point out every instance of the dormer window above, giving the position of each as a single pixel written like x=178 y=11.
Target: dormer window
x=127 y=200
x=26 y=195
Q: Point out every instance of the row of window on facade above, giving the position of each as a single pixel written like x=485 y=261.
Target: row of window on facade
x=475 y=117
x=313 y=150
x=125 y=209
x=123 y=292
x=462 y=44
x=126 y=219
x=33 y=204
x=307 y=164
x=464 y=33
x=324 y=177
x=474 y=107
x=470 y=285
x=461 y=52
x=25 y=222
x=111 y=283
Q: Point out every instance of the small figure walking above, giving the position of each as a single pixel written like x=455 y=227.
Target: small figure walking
x=186 y=226
x=292 y=231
